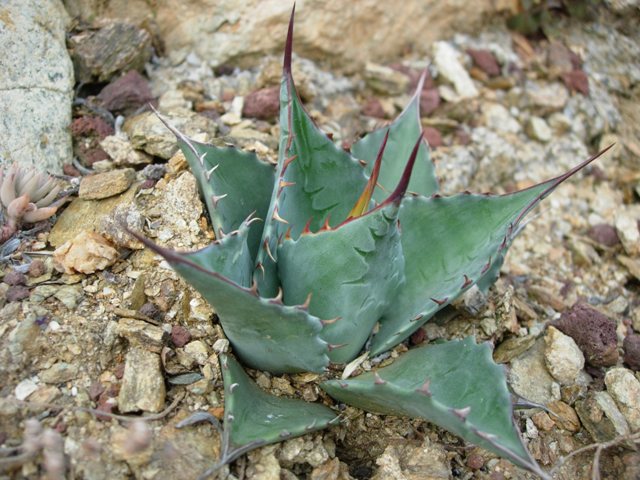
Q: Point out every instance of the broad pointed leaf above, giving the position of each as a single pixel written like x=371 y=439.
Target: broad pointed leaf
x=265 y=334
x=402 y=134
x=455 y=385
x=258 y=418
x=448 y=245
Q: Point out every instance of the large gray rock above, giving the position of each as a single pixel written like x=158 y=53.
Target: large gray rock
x=342 y=33
x=36 y=83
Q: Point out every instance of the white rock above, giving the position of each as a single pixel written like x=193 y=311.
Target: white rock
x=546 y=96
x=538 y=129
x=449 y=66
x=25 y=388
x=36 y=83
x=497 y=118
x=562 y=356
x=627 y=227
x=624 y=387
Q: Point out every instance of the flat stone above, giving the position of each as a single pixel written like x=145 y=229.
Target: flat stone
x=565 y=416
x=142 y=384
x=25 y=388
x=37 y=88
x=69 y=295
x=407 y=461
x=198 y=351
x=497 y=117
x=538 y=129
x=126 y=94
x=99 y=55
x=546 y=97
x=529 y=377
x=385 y=80
x=601 y=417
x=624 y=387
x=87 y=253
x=627 y=227
x=142 y=334
x=105 y=185
x=59 y=373
x=631 y=348
x=448 y=64
x=122 y=152
x=562 y=356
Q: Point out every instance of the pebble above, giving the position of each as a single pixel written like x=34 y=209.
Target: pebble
x=496 y=117
x=105 y=185
x=198 y=351
x=576 y=81
x=631 y=347
x=126 y=94
x=69 y=295
x=537 y=129
x=87 y=253
x=485 y=61
x=59 y=373
x=448 y=64
x=529 y=377
x=263 y=104
x=142 y=384
x=402 y=460
x=15 y=293
x=563 y=358
x=180 y=336
x=14 y=278
x=99 y=55
x=122 y=152
x=545 y=97
x=332 y=469
x=385 y=80
x=624 y=387
x=604 y=234
x=565 y=416
x=25 y=388
x=601 y=417
x=433 y=137
x=593 y=332
x=627 y=227
x=142 y=334
x=429 y=101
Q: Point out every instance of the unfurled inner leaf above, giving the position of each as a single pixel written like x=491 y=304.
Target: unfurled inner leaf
x=455 y=385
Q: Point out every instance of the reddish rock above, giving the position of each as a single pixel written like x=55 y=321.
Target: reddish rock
x=126 y=94
x=90 y=126
x=429 y=101
x=95 y=390
x=604 y=234
x=475 y=461
x=373 y=108
x=151 y=310
x=576 y=81
x=90 y=153
x=631 y=347
x=15 y=293
x=14 y=278
x=263 y=104
x=180 y=336
x=433 y=137
x=418 y=337
x=485 y=61
x=593 y=332
x=69 y=169
x=37 y=268
x=414 y=76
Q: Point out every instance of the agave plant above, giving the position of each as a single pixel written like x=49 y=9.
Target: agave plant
x=26 y=196
x=331 y=253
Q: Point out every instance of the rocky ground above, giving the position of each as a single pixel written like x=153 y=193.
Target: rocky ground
x=95 y=329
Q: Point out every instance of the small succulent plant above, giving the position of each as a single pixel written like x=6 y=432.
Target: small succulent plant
x=27 y=196
x=330 y=254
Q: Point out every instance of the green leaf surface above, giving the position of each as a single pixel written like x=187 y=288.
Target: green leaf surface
x=264 y=333
x=352 y=273
x=403 y=133
x=455 y=385
x=257 y=417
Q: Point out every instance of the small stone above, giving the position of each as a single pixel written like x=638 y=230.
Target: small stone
x=627 y=227
x=601 y=417
x=486 y=61
x=563 y=358
x=87 y=253
x=25 y=388
x=99 y=55
x=403 y=460
x=45 y=394
x=385 y=80
x=332 y=469
x=624 y=387
x=576 y=81
x=122 y=152
x=59 y=373
x=565 y=416
x=142 y=384
x=263 y=104
x=433 y=137
x=198 y=351
x=604 y=234
x=90 y=126
x=631 y=347
x=546 y=97
x=142 y=334
x=221 y=345
x=496 y=117
x=475 y=461
x=448 y=64
x=14 y=278
x=95 y=390
x=105 y=185
x=429 y=101
x=15 y=293
x=373 y=108
x=538 y=129
x=631 y=264
x=529 y=377
x=593 y=332
x=126 y=94
x=69 y=295
x=37 y=268
x=180 y=336
x=543 y=421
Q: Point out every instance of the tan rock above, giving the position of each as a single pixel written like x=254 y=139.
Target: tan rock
x=143 y=383
x=223 y=31
x=624 y=387
x=87 y=253
x=107 y=184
